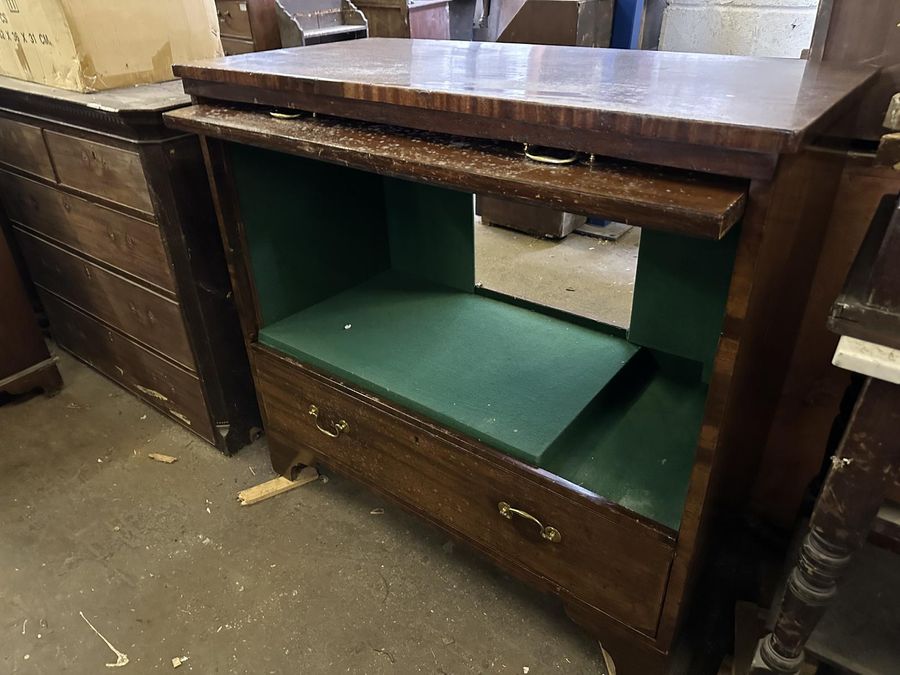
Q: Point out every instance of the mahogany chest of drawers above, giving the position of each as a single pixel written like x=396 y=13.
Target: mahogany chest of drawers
x=584 y=459
x=113 y=215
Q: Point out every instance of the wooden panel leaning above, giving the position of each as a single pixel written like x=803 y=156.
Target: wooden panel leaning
x=121 y=240
x=323 y=314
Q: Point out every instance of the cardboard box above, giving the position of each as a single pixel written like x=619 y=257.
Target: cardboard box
x=91 y=45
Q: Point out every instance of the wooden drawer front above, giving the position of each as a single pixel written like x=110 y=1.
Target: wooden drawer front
x=127 y=243
x=166 y=386
x=234 y=19
x=133 y=309
x=617 y=566
x=102 y=170
x=22 y=146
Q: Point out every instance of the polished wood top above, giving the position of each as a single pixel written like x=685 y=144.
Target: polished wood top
x=664 y=199
x=759 y=104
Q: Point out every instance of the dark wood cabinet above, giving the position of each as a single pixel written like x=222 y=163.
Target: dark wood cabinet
x=422 y=19
x=113 y=215
x=247 y=25
x=583 y=459
x=25 y=361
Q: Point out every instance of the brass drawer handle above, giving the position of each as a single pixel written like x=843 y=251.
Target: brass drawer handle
x=547 y=532
x=340 y=426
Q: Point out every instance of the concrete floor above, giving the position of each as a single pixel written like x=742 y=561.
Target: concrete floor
x=164 y=563
x=584 y=275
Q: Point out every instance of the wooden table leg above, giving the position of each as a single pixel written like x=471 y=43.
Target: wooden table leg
x=853 y=491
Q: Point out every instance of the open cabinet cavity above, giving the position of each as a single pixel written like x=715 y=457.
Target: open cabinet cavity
x=371 y=279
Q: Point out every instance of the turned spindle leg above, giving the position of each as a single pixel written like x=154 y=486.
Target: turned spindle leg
x=850 y=498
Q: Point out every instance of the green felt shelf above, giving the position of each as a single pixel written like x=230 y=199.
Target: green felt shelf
x=635 y=444
x=511 y=377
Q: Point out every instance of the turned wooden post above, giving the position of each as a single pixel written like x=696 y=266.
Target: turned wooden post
x=868 y=455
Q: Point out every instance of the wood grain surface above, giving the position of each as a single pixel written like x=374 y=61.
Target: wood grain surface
x=103 y=170
x=694 y=98
x=130 y=245
x=167 y=387
x=149 y=317
x=22 y=146
x=669 y=200
x=612 y=566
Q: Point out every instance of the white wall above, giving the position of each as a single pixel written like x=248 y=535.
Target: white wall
x=751 y=27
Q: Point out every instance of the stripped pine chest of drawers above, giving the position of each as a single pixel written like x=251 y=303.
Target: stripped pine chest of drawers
x=584 y=459
x=112 y=213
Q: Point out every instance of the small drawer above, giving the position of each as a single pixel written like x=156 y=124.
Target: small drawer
x=173 y=390
x=126 y=243
x=565 y=540
x=234 y=19
x=103 y=170
x=137 y=311
x=22 y=146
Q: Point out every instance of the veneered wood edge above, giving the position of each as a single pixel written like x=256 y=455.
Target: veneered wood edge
x=686 y=221
x=694 y=157
x=655 y=128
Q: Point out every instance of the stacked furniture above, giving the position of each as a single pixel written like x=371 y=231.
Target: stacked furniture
x=25 y=361
x=113 y=215
x=581 y=458
x=846 y=32
x=866 y=315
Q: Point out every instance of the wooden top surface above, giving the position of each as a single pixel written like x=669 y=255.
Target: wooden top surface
x=154 y=98
x=761 y=104
x=665 y=199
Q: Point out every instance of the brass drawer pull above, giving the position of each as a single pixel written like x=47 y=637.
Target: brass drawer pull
x=340 y=426
x=547 y=532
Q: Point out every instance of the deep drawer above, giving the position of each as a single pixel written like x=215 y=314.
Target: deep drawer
x=22 y=146
x=133 y=309
x=166 y=386
x=103 y=170
x=127 y=243
x=613 y=563
x=234 y=19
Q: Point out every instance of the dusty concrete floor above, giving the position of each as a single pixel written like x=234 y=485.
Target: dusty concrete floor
x=164 y=563
x=583 y=275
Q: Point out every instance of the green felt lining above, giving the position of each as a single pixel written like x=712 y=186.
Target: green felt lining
x=635 y=443
x=680 y=291
x=505 y=375
x=331 y=247
x=313 y=229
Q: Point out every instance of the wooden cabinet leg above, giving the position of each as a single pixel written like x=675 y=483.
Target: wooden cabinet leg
x=848 y=503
